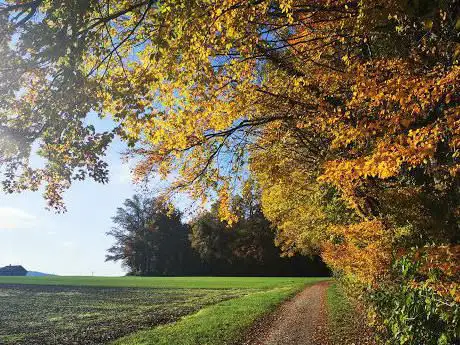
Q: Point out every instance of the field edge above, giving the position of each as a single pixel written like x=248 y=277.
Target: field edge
x=224 y=323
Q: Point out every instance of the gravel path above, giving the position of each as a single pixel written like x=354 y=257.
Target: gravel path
x=300 y=321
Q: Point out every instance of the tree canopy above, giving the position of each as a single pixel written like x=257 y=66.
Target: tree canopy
x=346 y=113
x=149 y=239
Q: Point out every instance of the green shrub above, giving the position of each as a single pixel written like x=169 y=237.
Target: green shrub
x=412 y=309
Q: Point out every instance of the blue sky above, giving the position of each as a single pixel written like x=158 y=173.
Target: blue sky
x=75 y=242
x=72 y=243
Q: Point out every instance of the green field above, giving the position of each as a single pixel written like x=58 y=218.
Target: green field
x=163 y=282
x=135 y=310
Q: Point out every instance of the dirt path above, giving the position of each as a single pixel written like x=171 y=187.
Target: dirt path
x=300 y=321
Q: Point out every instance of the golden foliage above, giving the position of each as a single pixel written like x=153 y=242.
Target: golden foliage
x=440 y=270
x=362 y=250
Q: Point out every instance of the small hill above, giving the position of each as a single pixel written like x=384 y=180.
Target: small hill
x=17 y=270
x=37 y=274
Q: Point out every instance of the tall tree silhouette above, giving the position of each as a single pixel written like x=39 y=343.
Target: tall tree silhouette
x=149 y=239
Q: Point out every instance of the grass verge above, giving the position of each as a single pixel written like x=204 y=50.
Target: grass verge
x=340 y=312
x=346 y=325
x=220 y=324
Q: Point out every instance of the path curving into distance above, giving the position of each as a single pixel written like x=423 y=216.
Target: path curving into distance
x=300 y=321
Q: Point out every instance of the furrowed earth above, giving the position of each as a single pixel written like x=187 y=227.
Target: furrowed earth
x=91 y=315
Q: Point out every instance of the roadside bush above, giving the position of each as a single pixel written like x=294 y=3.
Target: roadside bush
x=421 y=303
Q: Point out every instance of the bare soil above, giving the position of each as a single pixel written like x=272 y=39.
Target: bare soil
x=71 y=315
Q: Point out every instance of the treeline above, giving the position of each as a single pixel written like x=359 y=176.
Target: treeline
x=151 y=240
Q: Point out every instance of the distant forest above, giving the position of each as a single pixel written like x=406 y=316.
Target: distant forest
x=151 y=240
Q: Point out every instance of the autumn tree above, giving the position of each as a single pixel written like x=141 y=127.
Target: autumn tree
x=248 y=245
x=345 y=112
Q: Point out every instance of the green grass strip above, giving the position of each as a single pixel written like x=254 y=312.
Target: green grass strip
x=340 y=313
x=220 y=324
x=162 y=282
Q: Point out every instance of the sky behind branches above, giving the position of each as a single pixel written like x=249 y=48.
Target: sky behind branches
x=72 y=243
